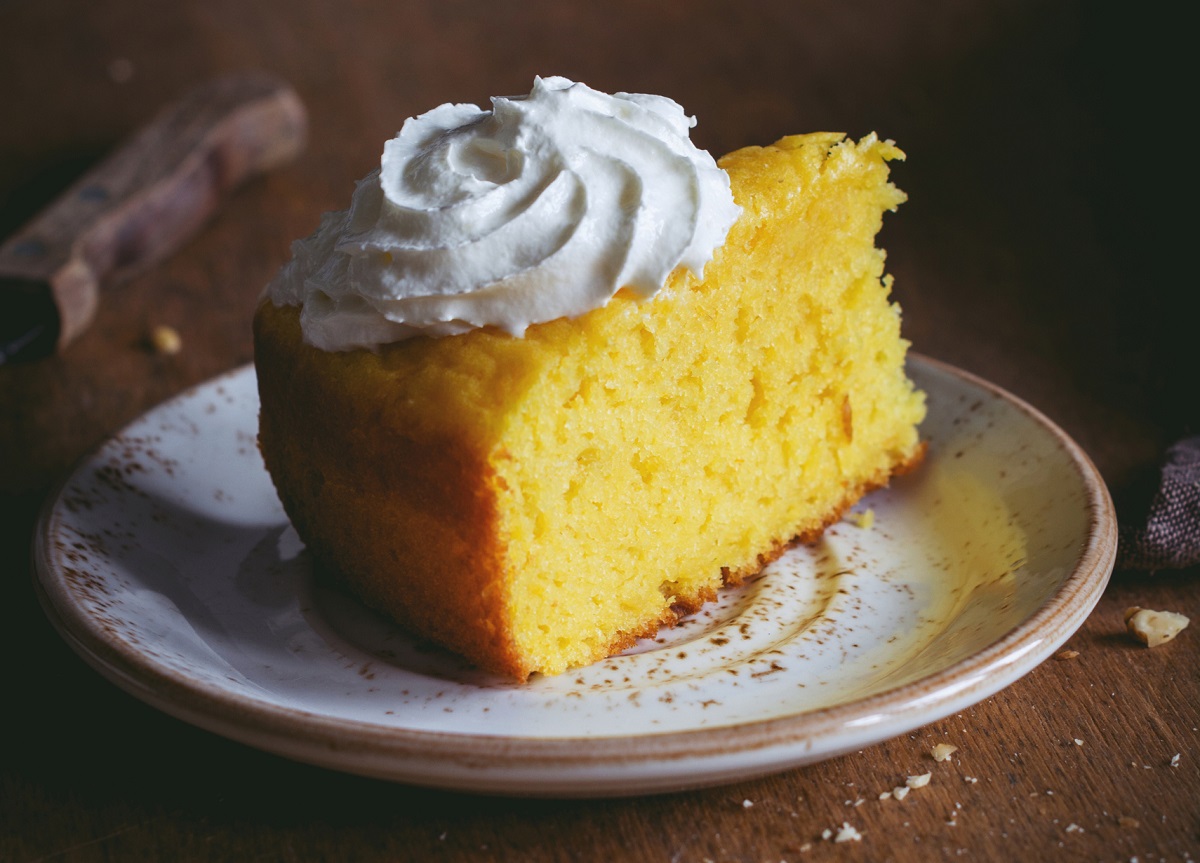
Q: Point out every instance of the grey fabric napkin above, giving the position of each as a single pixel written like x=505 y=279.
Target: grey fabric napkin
x=1166 y=535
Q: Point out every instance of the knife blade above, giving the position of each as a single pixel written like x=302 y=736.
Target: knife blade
x=139 y=205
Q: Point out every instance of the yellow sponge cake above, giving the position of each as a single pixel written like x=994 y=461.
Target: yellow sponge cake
x=539 y=502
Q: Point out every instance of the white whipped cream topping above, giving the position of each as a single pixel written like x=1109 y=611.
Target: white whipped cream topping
x=543 y=207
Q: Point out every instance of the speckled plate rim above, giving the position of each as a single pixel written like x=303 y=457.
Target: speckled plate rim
x=652 y=762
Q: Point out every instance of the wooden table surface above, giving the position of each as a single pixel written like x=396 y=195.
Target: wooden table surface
x=1034 y=251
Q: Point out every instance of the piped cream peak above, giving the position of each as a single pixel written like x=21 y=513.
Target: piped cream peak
x=541 y=208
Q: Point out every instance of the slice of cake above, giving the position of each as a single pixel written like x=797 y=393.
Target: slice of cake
x=542 y=500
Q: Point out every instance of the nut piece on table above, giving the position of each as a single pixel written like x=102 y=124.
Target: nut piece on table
x=1153 y=628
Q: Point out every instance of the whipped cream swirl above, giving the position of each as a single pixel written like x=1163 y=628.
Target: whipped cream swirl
x=543 y=207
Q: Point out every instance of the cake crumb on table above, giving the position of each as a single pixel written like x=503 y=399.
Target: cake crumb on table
x=165 y=340
x=1153 y=628
x=943 y=751
x=918 y=781
x=847 y=834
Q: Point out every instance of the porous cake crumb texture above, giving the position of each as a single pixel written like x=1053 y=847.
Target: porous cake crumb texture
x=539 y=503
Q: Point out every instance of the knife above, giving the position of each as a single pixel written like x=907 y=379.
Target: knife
x=139 y=205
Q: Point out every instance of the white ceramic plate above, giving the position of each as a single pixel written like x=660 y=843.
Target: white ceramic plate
x=167 y=562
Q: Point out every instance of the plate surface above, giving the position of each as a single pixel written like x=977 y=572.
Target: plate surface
x=167 y=562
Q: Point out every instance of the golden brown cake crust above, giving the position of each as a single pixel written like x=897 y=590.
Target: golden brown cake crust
x=409 y=524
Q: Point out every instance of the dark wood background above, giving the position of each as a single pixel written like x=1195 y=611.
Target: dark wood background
x=1045 y=246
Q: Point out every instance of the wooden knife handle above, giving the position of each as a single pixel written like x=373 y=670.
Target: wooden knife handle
x=145 y=199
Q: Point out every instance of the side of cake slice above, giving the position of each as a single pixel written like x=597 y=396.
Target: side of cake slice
x=538 y=503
